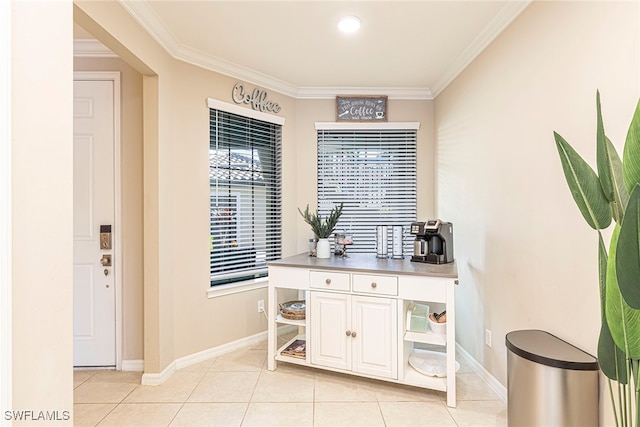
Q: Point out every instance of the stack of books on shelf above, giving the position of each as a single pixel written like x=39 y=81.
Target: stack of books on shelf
x=297 y=348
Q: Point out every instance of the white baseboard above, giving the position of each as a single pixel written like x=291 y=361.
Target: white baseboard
x=500 y=390
x=201 y=356
x=192 y=359
x=133 y=365
x=161 y=378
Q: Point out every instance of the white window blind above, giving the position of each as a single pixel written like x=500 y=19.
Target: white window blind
x=245 y=197
x=373 y=172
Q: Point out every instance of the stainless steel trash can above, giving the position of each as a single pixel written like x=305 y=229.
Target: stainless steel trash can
x=550 y=382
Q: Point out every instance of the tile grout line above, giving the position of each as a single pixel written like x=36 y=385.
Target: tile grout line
x=204 y=374
x=114 y=408
x=244 y=416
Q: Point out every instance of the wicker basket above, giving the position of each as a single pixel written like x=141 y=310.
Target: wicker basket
x=293 y=310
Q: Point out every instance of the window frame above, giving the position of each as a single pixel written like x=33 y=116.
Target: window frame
x=253 y=283
x=368 y=127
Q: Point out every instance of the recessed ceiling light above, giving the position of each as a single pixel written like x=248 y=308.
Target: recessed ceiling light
x=349 y=24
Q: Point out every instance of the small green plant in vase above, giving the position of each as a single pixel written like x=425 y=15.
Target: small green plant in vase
x=322 y=227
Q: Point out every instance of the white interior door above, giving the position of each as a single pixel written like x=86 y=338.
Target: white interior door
x=94 y=310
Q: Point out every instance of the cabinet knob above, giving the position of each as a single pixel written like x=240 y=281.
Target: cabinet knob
x=327 y=281
x=353 y=334
x=348 y=333
x=374 y=285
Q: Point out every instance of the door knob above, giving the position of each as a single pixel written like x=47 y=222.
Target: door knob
x=348 y=333
x=353 y=334
x=106 y=260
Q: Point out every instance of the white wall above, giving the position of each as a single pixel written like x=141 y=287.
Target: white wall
x=42 y=201
x=526 y=258
x=5 y=207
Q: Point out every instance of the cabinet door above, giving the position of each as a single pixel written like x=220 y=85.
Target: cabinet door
x=375 y=344
x=330 y=315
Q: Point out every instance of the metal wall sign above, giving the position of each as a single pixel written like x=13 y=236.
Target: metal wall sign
x=361 y=108
x=256 y=98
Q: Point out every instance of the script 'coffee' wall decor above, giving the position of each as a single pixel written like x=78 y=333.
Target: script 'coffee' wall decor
x=361 y=108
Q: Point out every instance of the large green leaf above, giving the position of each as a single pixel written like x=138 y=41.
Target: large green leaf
x=620 y=193
x=628 y=258
x=602 y=274
x=603 y=158
x=610 y=169
x=584 y=185
x=610 y=358
x=631 y=154
x=623 y=321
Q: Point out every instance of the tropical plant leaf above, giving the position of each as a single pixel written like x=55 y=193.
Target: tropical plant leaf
x=602 y=155
x=610 y=358
x=623 y=321
x=602 y=274
x=620 y=193
x=628 y=259
x=584 y=185
x=631 y=153
x=610 y=169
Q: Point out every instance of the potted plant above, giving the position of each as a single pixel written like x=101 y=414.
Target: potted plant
x=614 y=193
x=322 y=228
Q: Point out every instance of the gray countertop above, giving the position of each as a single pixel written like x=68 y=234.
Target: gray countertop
x=368 y=263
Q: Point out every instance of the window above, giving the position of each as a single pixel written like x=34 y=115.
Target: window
x=245 y=192
x=372 y=170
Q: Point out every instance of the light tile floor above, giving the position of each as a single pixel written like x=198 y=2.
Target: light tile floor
x=237 y=390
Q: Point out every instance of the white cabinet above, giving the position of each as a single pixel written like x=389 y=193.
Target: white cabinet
x=355 y=317
x=330 y=319
x=374 y=336
x=354 y=333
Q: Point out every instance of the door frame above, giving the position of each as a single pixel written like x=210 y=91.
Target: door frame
x=113 y=76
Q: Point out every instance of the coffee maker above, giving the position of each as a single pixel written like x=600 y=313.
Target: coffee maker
x=433 y=243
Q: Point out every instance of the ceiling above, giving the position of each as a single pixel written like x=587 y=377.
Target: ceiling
x=406 y=49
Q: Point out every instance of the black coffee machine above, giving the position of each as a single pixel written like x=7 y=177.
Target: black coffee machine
x=434 y=242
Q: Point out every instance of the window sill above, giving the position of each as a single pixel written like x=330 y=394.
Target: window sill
x=236 y=288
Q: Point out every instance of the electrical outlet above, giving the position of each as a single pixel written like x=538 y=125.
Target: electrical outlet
x=487 y=337
x=260 y=306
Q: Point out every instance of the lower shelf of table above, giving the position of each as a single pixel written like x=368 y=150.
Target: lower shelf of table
x=415 y=378
x=411 y=376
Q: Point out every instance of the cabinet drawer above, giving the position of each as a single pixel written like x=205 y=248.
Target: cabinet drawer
x=374 y=284
x=329 y=280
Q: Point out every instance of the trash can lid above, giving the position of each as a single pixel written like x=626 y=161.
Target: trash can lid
x=542 y=347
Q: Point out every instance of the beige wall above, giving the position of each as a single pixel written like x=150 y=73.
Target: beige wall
x=201 y=323
x=179 y=318
x=42 y=201
x=130 y=200
x=525 y=256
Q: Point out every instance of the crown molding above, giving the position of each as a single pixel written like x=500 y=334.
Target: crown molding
x=505 y=16
x=200 y=59
x=147 y=18
x=91 y=48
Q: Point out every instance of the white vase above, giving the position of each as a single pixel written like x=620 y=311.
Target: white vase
x=323 y=249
